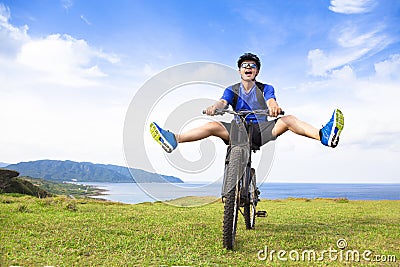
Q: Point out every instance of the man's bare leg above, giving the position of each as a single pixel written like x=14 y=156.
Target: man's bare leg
x=296 y=126
x=209 y=129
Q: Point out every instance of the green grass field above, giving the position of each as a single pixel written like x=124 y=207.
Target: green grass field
x=85 y=232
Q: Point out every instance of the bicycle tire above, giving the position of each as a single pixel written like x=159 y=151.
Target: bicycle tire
x=249 y=210
x=232 y=199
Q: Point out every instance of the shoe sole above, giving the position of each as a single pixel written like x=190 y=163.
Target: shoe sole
x=155 y=133
x=339 y=125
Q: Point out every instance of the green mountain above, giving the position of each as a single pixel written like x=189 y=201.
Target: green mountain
x=141 y=176
x=57 y=170
x=11 y=183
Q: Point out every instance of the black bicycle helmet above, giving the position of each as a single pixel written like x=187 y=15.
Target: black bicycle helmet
x=249 y=56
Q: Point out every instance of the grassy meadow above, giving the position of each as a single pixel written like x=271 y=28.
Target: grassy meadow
x=86 y=232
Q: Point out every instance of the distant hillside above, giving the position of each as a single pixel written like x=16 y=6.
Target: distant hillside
x=141 y=176
x=2 y=164
x=11 y=183
x=66 y=189
x=56 y=170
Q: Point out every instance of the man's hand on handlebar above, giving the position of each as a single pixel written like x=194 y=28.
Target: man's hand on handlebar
x=210 y=111
x=273 y=107
x=275 y=111
x=220 y=104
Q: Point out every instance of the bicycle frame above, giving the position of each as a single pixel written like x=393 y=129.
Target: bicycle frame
x=241 y=135
x=239 y=177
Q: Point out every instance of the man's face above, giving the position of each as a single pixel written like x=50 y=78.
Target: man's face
x=248 y=70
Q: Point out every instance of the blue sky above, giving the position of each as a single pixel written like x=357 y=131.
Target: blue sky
x=69 y=69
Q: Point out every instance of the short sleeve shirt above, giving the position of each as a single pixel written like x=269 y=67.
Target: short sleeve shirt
x=249 y=101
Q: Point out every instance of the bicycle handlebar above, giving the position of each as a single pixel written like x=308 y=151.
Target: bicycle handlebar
x=243 y=112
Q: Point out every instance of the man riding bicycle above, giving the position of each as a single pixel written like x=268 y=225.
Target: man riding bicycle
x=252 y=95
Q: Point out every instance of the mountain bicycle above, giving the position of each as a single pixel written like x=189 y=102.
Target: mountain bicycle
x=239 y=190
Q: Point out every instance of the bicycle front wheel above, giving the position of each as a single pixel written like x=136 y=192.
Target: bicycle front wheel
x=233 y=174
x=249 y=210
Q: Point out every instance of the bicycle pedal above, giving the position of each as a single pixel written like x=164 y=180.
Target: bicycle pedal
x=261 y=213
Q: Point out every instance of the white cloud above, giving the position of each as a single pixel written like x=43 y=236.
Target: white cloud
x=85 y=20
x=11 y=37
x=353 y=36
x=351 y=6
x=67 y=4
x=63 y=59
x=346 y=165
x=352 y=44
x=55 y=53
x=322 y=64
x=389 y=69
x=59 y=128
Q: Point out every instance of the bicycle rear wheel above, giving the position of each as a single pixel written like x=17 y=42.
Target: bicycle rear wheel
x=233 y=174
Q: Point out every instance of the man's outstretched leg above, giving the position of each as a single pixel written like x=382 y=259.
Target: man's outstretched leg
x=328 y=135
x=169 y=141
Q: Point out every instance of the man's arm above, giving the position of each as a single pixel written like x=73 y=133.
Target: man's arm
x=220 y=104
x=273 y=107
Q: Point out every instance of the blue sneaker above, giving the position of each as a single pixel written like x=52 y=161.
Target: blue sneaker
x=330 y=132
x=165 y=138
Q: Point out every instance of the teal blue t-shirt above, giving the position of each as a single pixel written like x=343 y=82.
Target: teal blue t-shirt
x=249 y=101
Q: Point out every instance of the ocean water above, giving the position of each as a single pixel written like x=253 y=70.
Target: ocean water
x=132 y=193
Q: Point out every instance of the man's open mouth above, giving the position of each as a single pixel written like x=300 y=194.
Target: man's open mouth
x=248 y=72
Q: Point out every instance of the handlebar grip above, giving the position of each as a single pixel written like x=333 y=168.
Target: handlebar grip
x=217 y=112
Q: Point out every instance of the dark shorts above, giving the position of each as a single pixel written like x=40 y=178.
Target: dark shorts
x=262 y=132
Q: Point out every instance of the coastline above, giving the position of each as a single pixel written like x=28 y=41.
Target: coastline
x=132 y=193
